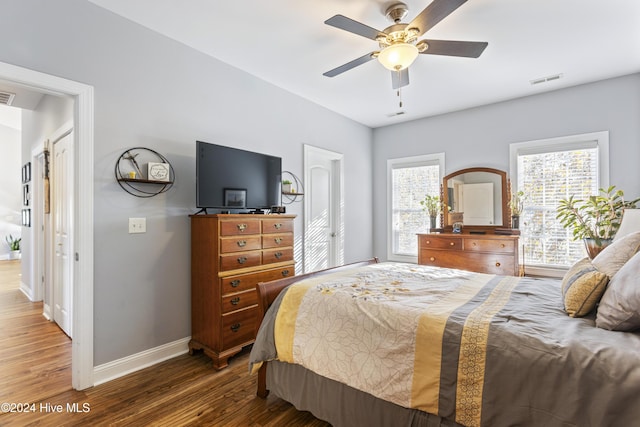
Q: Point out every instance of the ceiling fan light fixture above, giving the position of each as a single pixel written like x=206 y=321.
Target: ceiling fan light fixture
x=398 y=56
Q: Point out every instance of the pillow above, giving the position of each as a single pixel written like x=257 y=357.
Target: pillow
x=630 y=223
x=619 y=308
x=613 y=257
x=582 y=288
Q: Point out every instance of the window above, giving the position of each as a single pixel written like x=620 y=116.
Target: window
x=409 y=181
x=547 y=171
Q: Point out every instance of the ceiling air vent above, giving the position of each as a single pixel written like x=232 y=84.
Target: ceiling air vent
x=546 y=79
x=6 y=98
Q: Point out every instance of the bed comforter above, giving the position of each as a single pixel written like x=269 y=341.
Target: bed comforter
x=482 y=350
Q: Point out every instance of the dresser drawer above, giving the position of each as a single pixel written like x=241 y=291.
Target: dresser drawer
x=440 y=242
x=239 y=327
x=242 y=282
x=277 y=225
x=239 y=243
x=239 y=227
x=502 y=264
x=277 y=240
x=277 y=255
x=489 y=245
x=240 y=300
x=240 y=260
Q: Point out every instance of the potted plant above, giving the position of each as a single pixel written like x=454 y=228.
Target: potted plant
x=14 y=246
x=431 y=205
x=286 y=186
x=595 y=219
x=516 y=204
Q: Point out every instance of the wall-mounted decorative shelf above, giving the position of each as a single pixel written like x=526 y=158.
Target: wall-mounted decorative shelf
x=292 y=196
x=143 y=172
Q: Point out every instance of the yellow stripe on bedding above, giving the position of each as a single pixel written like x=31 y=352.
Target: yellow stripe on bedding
x=285 y=324
x=473 y=353
x=425 y=393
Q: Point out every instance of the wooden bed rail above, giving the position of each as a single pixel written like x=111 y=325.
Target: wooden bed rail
x=267 y=293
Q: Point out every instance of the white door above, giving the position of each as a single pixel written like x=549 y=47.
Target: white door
x=323 y=209
x=477 y=204
x=61 y=210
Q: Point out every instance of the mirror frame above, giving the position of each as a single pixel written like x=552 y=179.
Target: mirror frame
x=506 y=191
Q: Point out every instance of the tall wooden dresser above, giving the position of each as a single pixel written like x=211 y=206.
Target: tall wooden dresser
x=483 y=253
x=230 y=254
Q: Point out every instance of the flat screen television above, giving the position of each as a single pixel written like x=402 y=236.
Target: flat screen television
x=233 y=179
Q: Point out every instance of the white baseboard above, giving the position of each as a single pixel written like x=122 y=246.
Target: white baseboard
x=121 y=367
x=27 y=291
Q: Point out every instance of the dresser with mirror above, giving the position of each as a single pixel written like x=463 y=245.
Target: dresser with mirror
x=476 y=232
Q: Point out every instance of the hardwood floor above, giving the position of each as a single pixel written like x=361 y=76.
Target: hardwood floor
x=35 y=373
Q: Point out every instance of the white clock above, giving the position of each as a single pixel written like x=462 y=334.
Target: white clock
x=158 y=172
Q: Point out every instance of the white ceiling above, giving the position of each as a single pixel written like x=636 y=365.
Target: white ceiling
x=286 y=43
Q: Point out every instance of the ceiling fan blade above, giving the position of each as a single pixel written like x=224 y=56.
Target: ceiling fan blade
x=348 y=24
x=455 y=48
x=349 y=65
x=400 y=78
x=434 y=13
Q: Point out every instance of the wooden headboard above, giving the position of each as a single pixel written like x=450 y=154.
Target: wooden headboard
x=268 y=291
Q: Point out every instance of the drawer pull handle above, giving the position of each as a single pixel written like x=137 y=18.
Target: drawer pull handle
x=235 y=301
x=235 y=283
x=497 y=264
x=451 y=243
x=432 y=259
x=242 y=260
x=242 y=227
x=235 y=327
x=278 y=240
x=278 y=225
x=428 y=242
x=285 y=273
x=475 y=244
x=502 y=245
x=278 y=255
x=242 y=243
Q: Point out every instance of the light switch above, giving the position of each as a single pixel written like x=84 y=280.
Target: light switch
x=137 y=225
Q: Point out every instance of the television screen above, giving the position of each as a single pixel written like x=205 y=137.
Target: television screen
x=230 y=178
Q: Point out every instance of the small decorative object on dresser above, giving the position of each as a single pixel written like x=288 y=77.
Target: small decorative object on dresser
x=230 y=254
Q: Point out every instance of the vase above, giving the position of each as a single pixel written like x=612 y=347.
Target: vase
x=515 y=221
x=592 y=247
x=432 y=222
x=14 y=255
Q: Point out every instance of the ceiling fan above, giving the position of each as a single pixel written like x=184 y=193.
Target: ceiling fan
x=399 y=44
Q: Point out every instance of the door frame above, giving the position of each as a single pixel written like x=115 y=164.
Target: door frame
x=337 y=199
x=83 y=143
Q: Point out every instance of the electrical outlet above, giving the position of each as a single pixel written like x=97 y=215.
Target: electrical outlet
x=137 y=225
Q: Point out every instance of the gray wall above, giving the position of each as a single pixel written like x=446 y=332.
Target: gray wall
x=481 y=136
x=154 y=92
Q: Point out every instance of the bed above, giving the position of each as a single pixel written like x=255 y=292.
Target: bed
x=400 y=344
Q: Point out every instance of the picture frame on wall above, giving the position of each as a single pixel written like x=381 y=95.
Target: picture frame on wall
x=235 y=197
x=25 y=194
x=26 y=217
x=26 y=172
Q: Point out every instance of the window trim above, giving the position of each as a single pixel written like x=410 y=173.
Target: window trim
x=598 y=140
x=404 y=162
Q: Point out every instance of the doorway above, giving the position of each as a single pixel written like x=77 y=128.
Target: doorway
x=323 y=209
x=82 y=209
